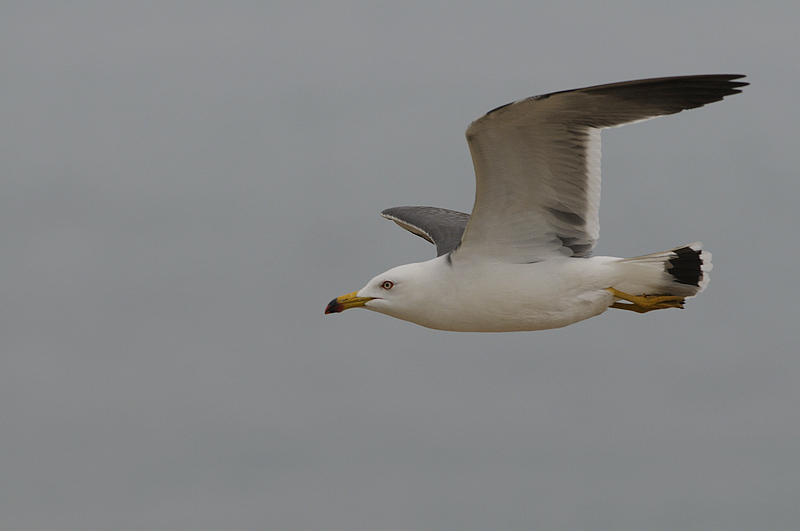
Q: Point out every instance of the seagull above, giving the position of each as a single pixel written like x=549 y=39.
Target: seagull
x=523 y=259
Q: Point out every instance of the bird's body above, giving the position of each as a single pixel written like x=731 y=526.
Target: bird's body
x=547 y=294
x=522 y=260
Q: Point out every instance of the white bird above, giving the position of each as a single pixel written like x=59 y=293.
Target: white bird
x=522 y=260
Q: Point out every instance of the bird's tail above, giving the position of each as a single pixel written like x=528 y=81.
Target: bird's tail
x=682 y=271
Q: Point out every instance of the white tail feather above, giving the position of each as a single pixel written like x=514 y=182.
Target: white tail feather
x=681 y=271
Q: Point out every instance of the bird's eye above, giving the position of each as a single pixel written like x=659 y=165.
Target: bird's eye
x=387 y=284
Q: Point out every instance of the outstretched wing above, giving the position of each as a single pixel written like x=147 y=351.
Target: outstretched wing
x=537 y=162
x=440 y=226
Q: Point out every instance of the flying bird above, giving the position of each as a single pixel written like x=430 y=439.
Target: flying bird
x=523 y=259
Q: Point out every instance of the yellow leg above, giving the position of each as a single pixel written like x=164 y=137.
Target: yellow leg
x=646 y=303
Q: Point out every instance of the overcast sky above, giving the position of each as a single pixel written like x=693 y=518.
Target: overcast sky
x=186 y=185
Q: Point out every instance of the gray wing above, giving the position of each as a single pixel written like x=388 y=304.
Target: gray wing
x=537 y=162
x=440 y=226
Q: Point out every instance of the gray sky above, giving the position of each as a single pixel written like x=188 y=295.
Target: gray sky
x=185 y=186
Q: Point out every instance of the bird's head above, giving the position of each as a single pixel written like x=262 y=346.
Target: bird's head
x=397 y=292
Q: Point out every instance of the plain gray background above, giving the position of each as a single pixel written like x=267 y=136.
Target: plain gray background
x=186 y=185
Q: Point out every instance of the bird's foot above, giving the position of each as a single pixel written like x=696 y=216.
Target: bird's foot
x=645 y=303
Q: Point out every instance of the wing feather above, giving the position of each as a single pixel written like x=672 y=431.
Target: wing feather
x=537 y=162
x=440 y=226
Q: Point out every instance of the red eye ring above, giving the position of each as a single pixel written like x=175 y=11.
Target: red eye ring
x=387 y=285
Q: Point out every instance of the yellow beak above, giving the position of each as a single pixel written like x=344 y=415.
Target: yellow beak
x=345 y=302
